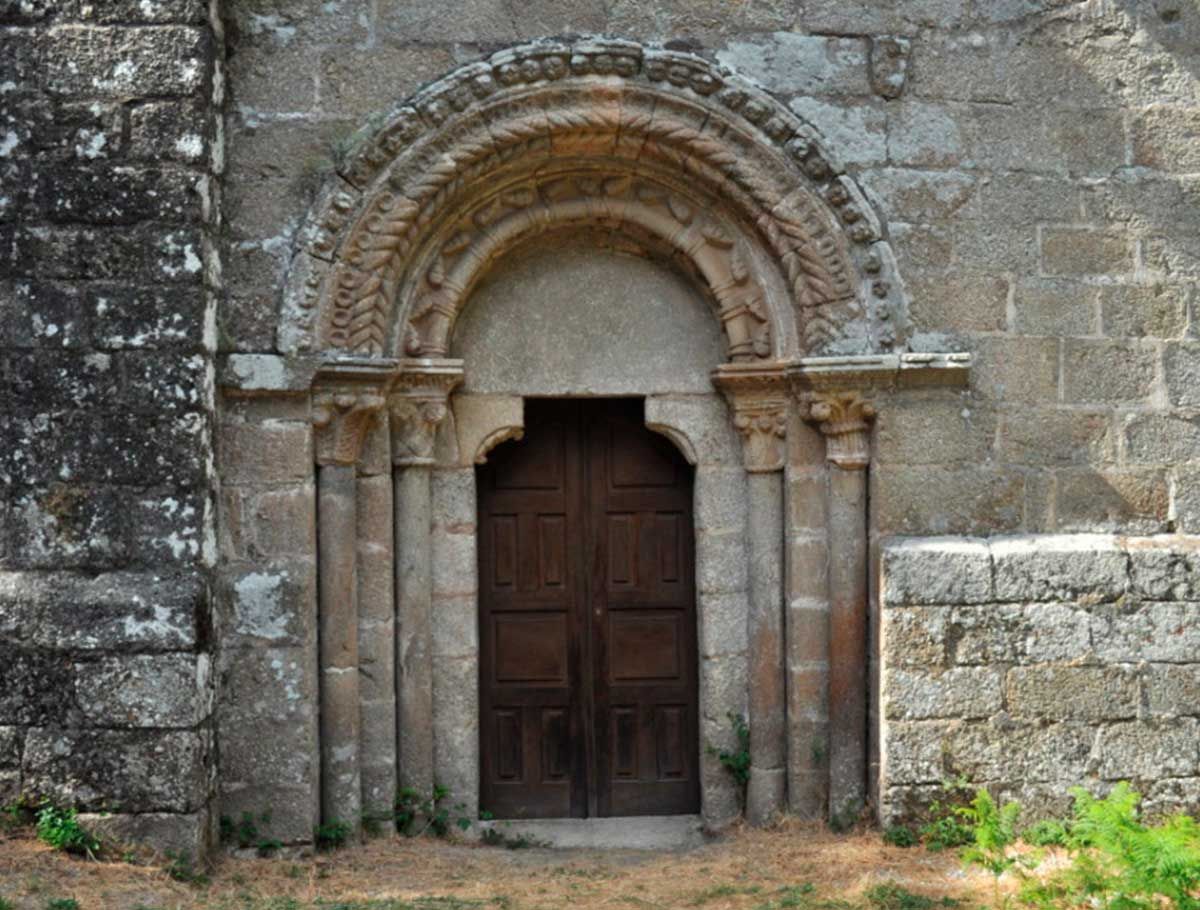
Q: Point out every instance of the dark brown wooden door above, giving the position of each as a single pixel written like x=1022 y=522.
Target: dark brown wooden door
x=588 y=692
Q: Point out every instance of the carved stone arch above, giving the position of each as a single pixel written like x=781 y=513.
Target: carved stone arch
x=601 y=132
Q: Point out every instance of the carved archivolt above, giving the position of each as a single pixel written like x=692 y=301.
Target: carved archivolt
x=595 y=132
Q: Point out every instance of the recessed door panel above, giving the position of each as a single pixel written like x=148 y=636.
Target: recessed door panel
x=587 y=624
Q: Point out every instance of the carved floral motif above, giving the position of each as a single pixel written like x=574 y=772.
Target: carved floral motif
x=844 y=419
x=417 y=405
x=763 y=426
x=759 y=400
x=591 y=197
x=586 y=102
x=342 y=417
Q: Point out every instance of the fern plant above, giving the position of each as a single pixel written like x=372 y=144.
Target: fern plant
x=1119 y=863
x=993 y=830
x=1142 y=863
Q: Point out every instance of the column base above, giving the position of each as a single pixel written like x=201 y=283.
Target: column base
x=765 y=795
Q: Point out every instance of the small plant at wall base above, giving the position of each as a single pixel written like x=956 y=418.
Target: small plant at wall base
x=416 y=815
x=993 y=830
x=60 y=829
x=1117 y=862
x=246 y=834
x=331 y=835
x=945 y=829
x=737 y=761
x=899 y=836
x=181 y=868
x=1049 y=832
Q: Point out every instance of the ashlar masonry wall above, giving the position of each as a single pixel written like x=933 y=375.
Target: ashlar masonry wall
x=109 y=158
x=1032 y=664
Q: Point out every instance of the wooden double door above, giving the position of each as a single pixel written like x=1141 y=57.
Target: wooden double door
x=587 y=618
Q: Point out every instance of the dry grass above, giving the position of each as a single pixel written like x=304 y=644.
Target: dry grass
x=748 y=870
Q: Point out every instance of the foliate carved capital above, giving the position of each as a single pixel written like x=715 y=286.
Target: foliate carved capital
x=845 y=420
x=341 y=418
x=418 y=404
x=763 y=427
x=758 y=397
x=414 y=428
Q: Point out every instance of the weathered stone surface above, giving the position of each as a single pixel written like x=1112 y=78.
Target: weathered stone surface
x=1173 y=690
x=962 y=692
x=1153 y=631
x=168 y=690
x=969 y=500
x=721 y=562
x=1132 y=500
x=933 y=571
x=794 y=64
x=269 y=754
x=272 y=606
x=1037 y=436
x=116 y=611
x=1071 y=251
x=1073 y=693
x=1065 y=567
x=266 y=453
x=137 y=771
x=675 y=345
x=915 y=636
x=168 y=833
x=1150 y=749
x=1169 y=570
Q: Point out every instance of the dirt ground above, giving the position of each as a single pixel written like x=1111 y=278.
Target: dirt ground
x=792 y=865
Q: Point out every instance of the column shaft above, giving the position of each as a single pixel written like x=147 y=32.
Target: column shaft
x=766 y=793
x=848 y=641
x=341 y=793
x=377 y=643
x=414 y=646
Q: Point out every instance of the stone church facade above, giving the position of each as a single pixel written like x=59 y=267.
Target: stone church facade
x=504 y=395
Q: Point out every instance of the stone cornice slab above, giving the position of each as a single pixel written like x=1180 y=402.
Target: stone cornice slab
x=879 y=372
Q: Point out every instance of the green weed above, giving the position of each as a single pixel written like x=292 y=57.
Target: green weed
x=736 y=762
x=332 y=835
x=62 y=903
x=60 y=829
x=1049 y=832
x=719 y=891
x=993 y=830
x=899 y=836
x=416 y=815
x=891 y=896
x=182 y=868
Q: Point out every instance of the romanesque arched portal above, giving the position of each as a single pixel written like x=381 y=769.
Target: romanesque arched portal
x=686 y=164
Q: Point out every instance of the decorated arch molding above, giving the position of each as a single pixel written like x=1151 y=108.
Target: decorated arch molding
x=653 y=148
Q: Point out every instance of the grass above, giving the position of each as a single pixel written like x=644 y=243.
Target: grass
x=791 y=867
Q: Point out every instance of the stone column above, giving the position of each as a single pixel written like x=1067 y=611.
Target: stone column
x=342 y=413
x=760 y=416
x=844 y=421
x=417 y=406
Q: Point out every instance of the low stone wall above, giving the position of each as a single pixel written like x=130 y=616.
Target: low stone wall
x=1034 y=663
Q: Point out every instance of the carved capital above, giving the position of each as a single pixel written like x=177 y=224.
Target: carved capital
x=758 y=397
x=341 y=417
x=418 y=404
x=845 y=420
x=763 y=427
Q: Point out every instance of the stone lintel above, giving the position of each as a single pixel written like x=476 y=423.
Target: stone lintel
x=418 y=402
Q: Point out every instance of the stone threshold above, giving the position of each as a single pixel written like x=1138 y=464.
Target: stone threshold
x=640 y=832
